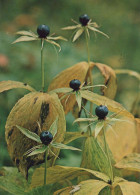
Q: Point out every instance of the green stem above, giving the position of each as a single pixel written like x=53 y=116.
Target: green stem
x=42 y=64
x=45 y=172
x=108 y=156
x=90 y=72
x=89 y=127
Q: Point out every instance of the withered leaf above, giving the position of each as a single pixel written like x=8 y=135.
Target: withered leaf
x=78 y=71
x=60 y=173
x=110 y=80
x=70 y=136
x=7 y=85
x=129 y=188
x=33 y=107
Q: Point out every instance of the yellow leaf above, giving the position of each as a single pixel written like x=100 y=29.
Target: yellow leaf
x=110 y=80
x=78 y=34
x=33 y=107
x=102 y=100
x=25 y=38
x=137 y=120
x=89 y=187
x=129 y=188
x=78 y=71
x=130 y=162
x=7 y=85
x=125 y=140
x=60 y=173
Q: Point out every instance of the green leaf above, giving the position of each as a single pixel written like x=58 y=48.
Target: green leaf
x=78 y=34
x=129 y=188
x=25 y=38
x=61 y=173
x=6 y=85
x=130 y=162
x=94 y=157
x=70 y=136
x=38 y=151
x=12 y=181
x=78 y=99
x=99 y=127
x=53 y=128
x=63 y=146
x=29 y=134
x=101 y=100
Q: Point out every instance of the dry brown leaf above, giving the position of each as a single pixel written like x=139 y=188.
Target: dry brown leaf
x=78 y=71
x=110 y=79
x=124 y=141
x=28 y=110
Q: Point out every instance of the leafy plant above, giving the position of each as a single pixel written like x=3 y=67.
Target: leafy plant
x=36 y=128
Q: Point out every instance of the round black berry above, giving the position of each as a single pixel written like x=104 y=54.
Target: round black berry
x=46 y=137
x=43 y=31
x=75 y=84
x=84 y=19
x=101 y=111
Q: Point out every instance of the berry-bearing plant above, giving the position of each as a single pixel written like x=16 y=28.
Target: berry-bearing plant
x=36 y=128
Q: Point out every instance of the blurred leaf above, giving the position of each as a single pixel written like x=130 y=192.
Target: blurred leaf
x=110 y=79
x=79 y=99
x=71 y=27
x=99 y=126
x=125 y=140
x=38 y=151
x=32 y=108
x=62 y=80
x=86 y=187
x=96 y=30
x=63 y=146
x=57 y=38
x=85 y=120
x=130 y=162
x=70 y=136
x=129 y=188
x=53 y=127
x=101 y=100
x=60 y=173
x=53 y=43
x=129 y=72
x=137 y=120
x=28 y=33
x=29 y=134
x=94 y=157
x=12 y=181
x=25 y=38
x=62 y=90
x=78 y=34
x=6 y=85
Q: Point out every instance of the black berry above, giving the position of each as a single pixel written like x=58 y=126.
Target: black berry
x=75 y=84
x=46 y=137
x=101 y=111
x=43 y=31
x=84 y=19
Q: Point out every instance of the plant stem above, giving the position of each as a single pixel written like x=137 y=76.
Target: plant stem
x=89 y=127
x=42 y=63
x=108 y=156
x=45 y=172
x=90 y=72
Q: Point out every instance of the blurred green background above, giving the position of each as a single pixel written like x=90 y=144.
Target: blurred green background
x=21 y=61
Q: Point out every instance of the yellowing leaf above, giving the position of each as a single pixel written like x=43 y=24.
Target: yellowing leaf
x=91 y=187
x=78 y=34
x=63 y=146
x=125 y=140
x=110 y=79
x=99 y=127
x=60 y=173
x=26 y=33
x=62 y=80
x=33 y=107
x=101 y=100
x=70 y=136
x=129 y=188
x=137 y=120
x=25 y=38
x=94 y=157
x=7 y=85
x=130 y=162
x=79 y=99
